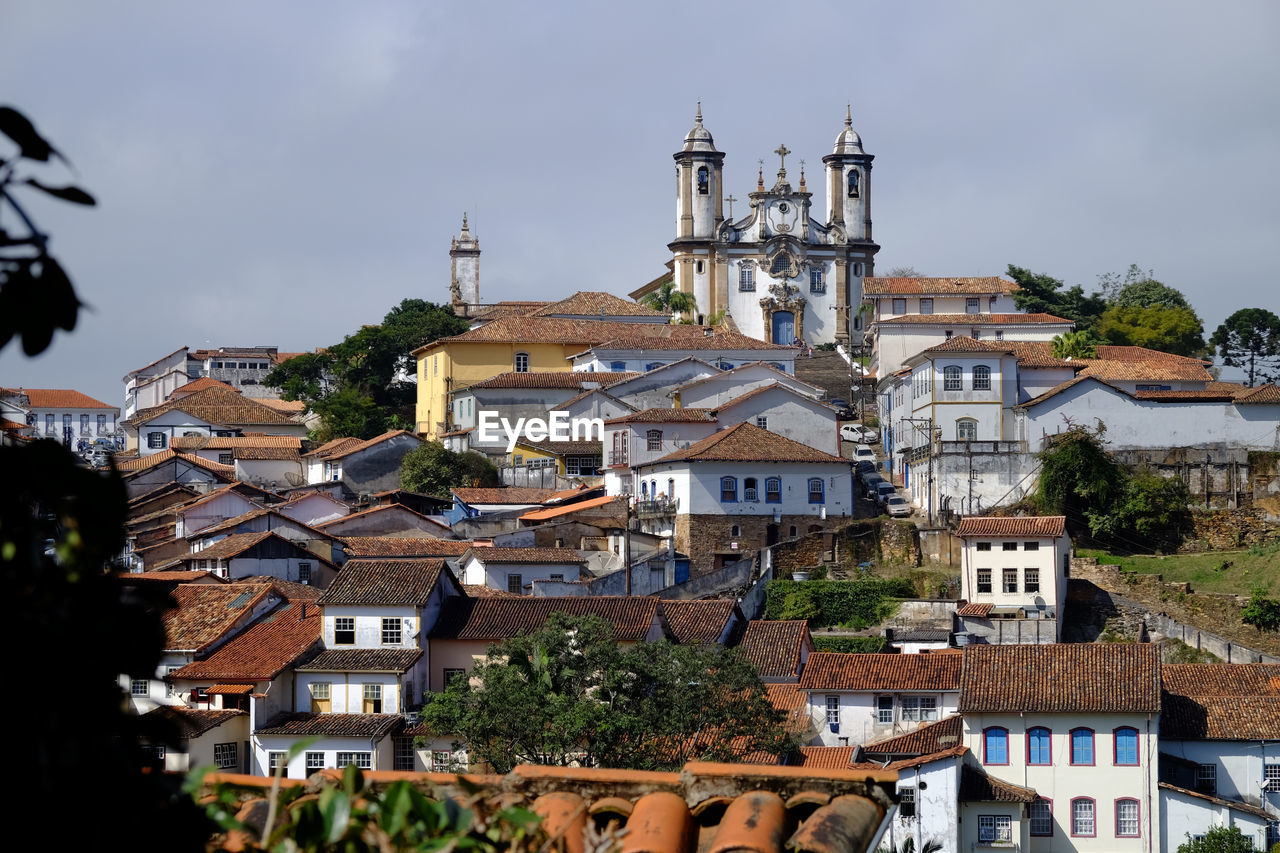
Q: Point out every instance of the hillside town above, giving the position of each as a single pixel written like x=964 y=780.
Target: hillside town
x=706 y=462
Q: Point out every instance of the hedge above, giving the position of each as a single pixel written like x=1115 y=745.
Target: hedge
x=851 y=604
x=850 y=645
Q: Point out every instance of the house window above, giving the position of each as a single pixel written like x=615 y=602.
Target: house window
x=1030 y=580
x=984 y=580
x=1039 y=746
x=304 y=572
x=949 y=333
x=926 y=306
x=995 y=746
x=652 y=365
x=704 y=181
x=884 y=710
x=966 y=429
x=735 y=530
x=1127 y=818
x=906 y=802
x=278 y=762
x=84 y=424
x=1082 y=746
x=971 y=306
x=773 y=490
x=975 y=334
x=853 y=183
x=441 y=760
x=617 y=366
x=48 y=425
x=984 y=546
x=1009 y=580
x=817 y=490
x=995 y=829
x=224 y=756
x=139 y=687
x=762 y=421
x=999 y=335
x=522 y=362
x=344 y=631
x=450 y=674
x=1082 y=817
x=816 y=283
x=1031 y=546
x=1126 y=746
x=1207 y=779
x=833 y=713
x=226 y=459
x=951 y=378
x=402 y=757
x=1041 y=814
x=746 y=279
x=363 y=760
x=515 y=583
x=66 y=424
x=391 y=633
x=320 y=693
x=919 y=708
x=102 y=424
x=1271 y=776
x=899 y=306
x=372 y=699
x=728 y=490
x=155 y=440
x=750 y=489
x=793 y=531
x=555 y=577
x=653 y=439
x=982 y=378
x=315 y=761
x=1008 y=546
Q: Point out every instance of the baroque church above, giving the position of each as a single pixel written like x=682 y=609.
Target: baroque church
x=780 y=272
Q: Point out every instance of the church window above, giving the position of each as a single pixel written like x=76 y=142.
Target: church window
x=746 y=278
x=853 y=183
x=781 y=265
x=816 y=284
x=522 y=362
x=699 y=267
x=704 y=181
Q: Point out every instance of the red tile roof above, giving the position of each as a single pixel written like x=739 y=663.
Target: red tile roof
x=933 y=737
x=569 y=509
x=964 y=343
x=214 y=442
x=206 y=612
x=350 y=446
x=678 y=416
x=264 y=649
x=511 y=495
x=826 y=757
x=1060 y=678
x=594 y=303
x=1267 y=395
x=396 y=546
x=232 y=523
x=288 y=407
x=975 y=610
x=146 y=463
x=374 y=726
x=59 y=398
x=1221 y=701
x=362 y=660
x=1038 y=526
x=748 y=443
x=843 y=671
x=774 y=647
x=979 y=320
x=490 y=554
x=232 y=546
x=563 y=379
x=911 y=286
x=333 y=446
x=192 y=722
x=699 y=623
x=977 y=787
x=222 y=406
x=915 y=761
x=499 y=618
x=384 y=582
x=199 y=385
x=793 y=703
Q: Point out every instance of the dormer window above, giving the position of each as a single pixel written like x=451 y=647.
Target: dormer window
x=704 y=181
x=854 y=189
x=522 y=362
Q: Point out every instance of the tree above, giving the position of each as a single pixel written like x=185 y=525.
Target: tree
x=1139 y=288
x=1075 y=345
x=904 y=272
x=1219 y=839
x=434 y=469
x=668 y=300
x=1261 y=612
x=1250 y=338
x=1150 y=515
x=568 y=694
x=1078 y=477
x=1042 y=294
x=1173 y=330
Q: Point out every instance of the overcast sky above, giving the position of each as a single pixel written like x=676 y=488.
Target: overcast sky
x=280 y=173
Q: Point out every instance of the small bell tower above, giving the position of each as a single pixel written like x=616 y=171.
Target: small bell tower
x=464 y=282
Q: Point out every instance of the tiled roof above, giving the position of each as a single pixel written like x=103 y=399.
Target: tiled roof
x=563 y=379
x=915 y=761
x=199 y=385
x=933 y=737
x=724 y=374
x=748 y=443
x=649 y=336
x=205 y=612
x=333 y=446
x=221 y=406
x=408 y=546
x=773 y=647
x=232 y=523
x=1219 y=801
x=385 y=582
x=589 y=303
x=977 y=787
x=975 y=610
x=498 y=618
x=214 y=442
x=1112 y=352
x=1040 y=526
x=1038 y=354
x=264 y=649
x=362 y=660
x=792 y=702
x=1231 y=701
x=1198 y=396
x=843 y=671
x=1061 y=678
x=964 y=343
x=177 y=576
x=290 y=590
x=527 y=555
x=885 y=286
x=512 y=495
x=921 y=635
x=826 y=757
x=564 y=448
x=967 y=320
x=479 y=590
x=666 y=416
x=545 y=330
x=333 y=725
x=192 y=722
x=154 y=363
x=1138 y=371
x=258 y=454
x=146 y=463
x=698 y=623
x=232 y=546
x=1268 y=394
x=505 y=308
x=569 y=509
x=60 y=398
x=288 y=407
x=347 y=449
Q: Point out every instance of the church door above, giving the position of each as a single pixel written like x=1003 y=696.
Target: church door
x=784 y=327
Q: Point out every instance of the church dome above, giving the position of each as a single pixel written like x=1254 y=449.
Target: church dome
x=848 y=142
x=699 y=139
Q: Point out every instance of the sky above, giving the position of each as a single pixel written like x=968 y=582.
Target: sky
x=282 y=173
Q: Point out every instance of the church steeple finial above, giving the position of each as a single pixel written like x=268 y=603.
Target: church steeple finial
x=465 y=235
x=848 y=115
x=698 y=117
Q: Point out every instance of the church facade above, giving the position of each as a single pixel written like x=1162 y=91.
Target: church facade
x=783 y=271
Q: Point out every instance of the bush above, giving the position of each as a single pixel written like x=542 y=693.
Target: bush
x=1261 y=612
x=852 y=604
x=850 y=645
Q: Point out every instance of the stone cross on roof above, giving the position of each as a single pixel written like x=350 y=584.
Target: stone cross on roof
x=782 y=151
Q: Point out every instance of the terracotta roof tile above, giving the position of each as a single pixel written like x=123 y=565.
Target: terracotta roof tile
x=828 y=757
x=748 y=443
x=1267 y=395
x=479 y=590
x=564 y=448
x=1060 y=678
x=979 y=320
x=400 y=509
x=975 y=610
x=1038 y=526
x=214 y=442
x=362 y=660
x=384 y=582
x=408 y=546
x=505 y=308
x=290 y=590
x=964 y=343
x=351 y=446
x=774 y=647
x=511 y=495
x=924 y=286
x=206 y=612
x=842 y=671
x=564 y=379
x=232 y=546
x=286 y=407
x=594 y=303
x=146 y=463
x=699 y=622
x=232 y=523
x=221 y=406
x=977 y=787
x=332 y=446
x=1230 y=701
x=934 y=737
x=199 y=385
x=618 y=502
x=1220 y=801
x=490 y=554
x=333 y=725
x=499 y=618
x=264 y=649
x=60 y=398
x=192 y=722
x=915 y=761
x=176 y=576
x=792 y=702
x=676 y=416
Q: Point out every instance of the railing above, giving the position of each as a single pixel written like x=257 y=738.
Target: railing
x=657 y=508
x=617 y=459
x=982 y=447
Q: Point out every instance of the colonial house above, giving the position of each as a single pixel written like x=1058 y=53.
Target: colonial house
x=271 y=461
x=714 y=389
x=215 y=411
x=644 y=349
x=205 y=739
x=1075 y=729
x=314 y=508
x=214 y=508
x=363 y=467
x=780 y=408
x=533 y=464
x=1013 y=578
x=865 y=697
x=246 y=555
x=516 y=569
x=63 y=415
x=146 y=473
x=334 y=741
x=639 y=438
x=319 y=542
x=150 y=385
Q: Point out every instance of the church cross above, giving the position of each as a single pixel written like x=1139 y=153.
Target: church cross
x=731 y=200
x=782 y=151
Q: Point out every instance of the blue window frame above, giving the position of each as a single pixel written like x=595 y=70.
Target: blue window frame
x=728 y=489
x=1126 y=746
x=995 y=746
x=1039 y=748
x=1082 y=746
x=817 y=490
x=773 y=490
x=617 y=366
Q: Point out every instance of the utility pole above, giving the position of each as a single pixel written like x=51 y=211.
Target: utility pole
x=925 y=426
x=626 y=546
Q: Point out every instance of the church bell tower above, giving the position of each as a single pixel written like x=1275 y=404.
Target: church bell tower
x=699 y=212
x=464 y=282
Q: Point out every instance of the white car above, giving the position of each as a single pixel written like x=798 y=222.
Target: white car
x=862 y=452
x=859 y=433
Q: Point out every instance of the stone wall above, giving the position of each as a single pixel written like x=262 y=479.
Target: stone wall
x=1231 y=529
x=704 y=537
x=877 y=540
x=925 y=613
x=1161 y=626
x=1009 y=631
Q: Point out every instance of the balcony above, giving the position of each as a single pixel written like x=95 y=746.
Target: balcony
x=618 y=459
x=658 y=508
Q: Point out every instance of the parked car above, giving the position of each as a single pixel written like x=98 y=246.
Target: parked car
x=862 y=466
x=898 y=507
x=864 y=453
x=884 y=491
x=870 y=481
x=838 y=403
x=859 y=433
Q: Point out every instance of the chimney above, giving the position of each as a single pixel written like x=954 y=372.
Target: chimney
x=302 y=612
x=708 y=332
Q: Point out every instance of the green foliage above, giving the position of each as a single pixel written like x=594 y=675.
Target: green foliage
x=1151 y=514
x=851 y=604
x=668 y=300
x=1041 y=293
x=1149 y=293
x=568 y=693
x=1075 y=345
x=850 y=645
x=348 y=411
x=1176 y=651
x=829 y=346
x=1173 y=330
x=433 y=469
x=1261 y=612
x=1250 y=339
x=1219 y=839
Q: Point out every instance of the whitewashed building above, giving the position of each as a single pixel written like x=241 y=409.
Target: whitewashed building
x=1013 y=578
x=515 y=569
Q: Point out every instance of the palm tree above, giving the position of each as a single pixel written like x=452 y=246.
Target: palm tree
x=1075 y=345
x=668 y=300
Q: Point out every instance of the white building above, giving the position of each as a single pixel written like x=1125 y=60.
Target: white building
x=63 y=415
x=215 y=411
x=718 y=388
x=1013 y=578
x=515 y=569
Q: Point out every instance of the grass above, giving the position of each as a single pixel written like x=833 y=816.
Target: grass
x=1226 y=572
